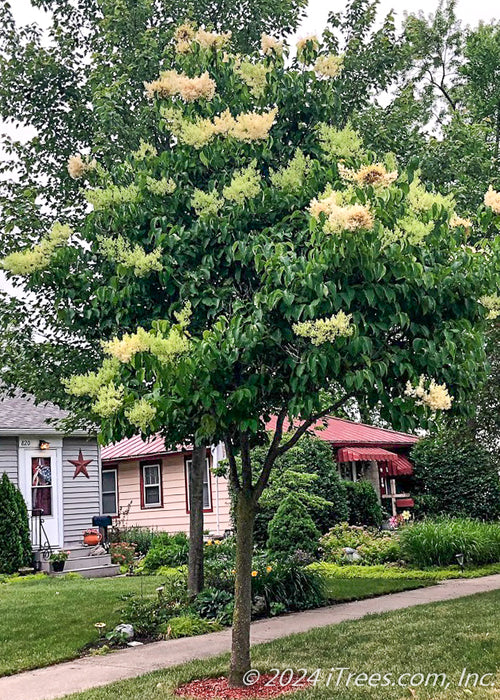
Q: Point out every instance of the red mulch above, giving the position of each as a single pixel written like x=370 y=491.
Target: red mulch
x=218 y=688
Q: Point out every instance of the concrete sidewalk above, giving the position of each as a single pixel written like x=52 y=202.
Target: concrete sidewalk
x=92 y=671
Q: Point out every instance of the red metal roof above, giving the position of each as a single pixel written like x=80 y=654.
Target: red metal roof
x=338 y=431
x=136 y=447
x=345 y=433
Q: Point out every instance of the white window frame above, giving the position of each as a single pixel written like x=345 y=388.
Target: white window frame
x=207 y=508
x=115 y=492
x=156 y=504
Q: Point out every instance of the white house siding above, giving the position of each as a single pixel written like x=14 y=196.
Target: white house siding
x=81 y=496
x=9 y=458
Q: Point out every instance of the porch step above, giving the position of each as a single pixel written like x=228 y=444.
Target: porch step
x=81 y=561
x=106 y=570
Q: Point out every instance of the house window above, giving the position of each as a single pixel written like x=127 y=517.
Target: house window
x=109 y=492
x=41 y=484
x=207 y=496
x=151 y=486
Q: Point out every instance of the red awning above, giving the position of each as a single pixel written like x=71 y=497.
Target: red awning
x=401 y=467
x=365 y=454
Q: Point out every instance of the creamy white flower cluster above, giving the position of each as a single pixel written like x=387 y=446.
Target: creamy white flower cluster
x=429 y=393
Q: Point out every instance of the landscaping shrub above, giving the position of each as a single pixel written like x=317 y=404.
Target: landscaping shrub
x=220 y=556
x=292 y=528
x=375 y=547
x=215 y=604
x=364 y=508
x=15 y=543
x=122 y=553
x=437 y=542
x=455 y=475
x=166 y=550
x=188 y=626
x=140 y=537
x=287 y=586
x=310 y=470
x=146 y=615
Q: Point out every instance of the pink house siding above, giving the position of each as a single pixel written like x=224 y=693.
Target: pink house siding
x=173 y=516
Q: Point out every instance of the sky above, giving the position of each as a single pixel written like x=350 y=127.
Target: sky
x=470 y=11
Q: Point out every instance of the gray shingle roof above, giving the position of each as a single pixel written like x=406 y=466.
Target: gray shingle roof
x=18 y=413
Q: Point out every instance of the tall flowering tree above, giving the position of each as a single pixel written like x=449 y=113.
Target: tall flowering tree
x=267 y=264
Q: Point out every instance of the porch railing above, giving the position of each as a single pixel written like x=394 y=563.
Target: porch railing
x=39 y=539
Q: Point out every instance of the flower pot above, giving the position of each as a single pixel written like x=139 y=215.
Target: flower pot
x=57 y=565
x=92 y=539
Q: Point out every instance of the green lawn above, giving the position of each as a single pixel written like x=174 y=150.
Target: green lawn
x=50 y=620
x=432 y=639
x=381 y=571
x=342 y=590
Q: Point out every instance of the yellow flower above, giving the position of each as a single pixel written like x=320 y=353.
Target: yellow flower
x=76 y=167
x=329 y=66
x=325 y=330
x=306 y=42
x=244 y=185
x=209 y=40
x=171 y=83
x=183 y=35
x=191 y=89
x=375 y=175
x=492 y=303
x=255 y=573
x=216 y=541
x=269 y=569
x=254 y=75
x=457 y=221
x=209 y=543
x=252 y=126
x=141 y=414
x=492 y=200
x=39 y=257
x=233 y=571
x=435 y=396
x=270 y=45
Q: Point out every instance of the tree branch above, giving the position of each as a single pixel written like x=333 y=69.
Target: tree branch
x=271 y=455
x=307 y=424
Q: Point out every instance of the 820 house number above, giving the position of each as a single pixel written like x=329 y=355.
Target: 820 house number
x=25 y=443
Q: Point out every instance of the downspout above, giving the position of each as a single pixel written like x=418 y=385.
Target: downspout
x=215 y=464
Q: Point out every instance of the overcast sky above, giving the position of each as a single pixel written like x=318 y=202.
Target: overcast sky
x=471 y=11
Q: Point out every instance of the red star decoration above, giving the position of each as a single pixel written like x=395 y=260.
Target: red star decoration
x=81 y=465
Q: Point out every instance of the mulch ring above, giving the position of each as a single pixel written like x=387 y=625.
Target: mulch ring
x=267 y=686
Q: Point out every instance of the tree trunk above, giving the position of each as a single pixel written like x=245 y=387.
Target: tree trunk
x=196 y=473
x=240 y=653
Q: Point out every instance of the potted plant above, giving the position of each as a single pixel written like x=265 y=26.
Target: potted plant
x=58 y=560
x=92 y=537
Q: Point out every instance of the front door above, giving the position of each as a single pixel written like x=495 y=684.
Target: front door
x=40 y=480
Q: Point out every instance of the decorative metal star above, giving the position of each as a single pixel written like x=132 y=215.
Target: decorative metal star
x=81 y=465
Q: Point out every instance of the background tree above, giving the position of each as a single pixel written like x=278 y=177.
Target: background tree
x=455 y=475
x=294 y=273
x=310 y=471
